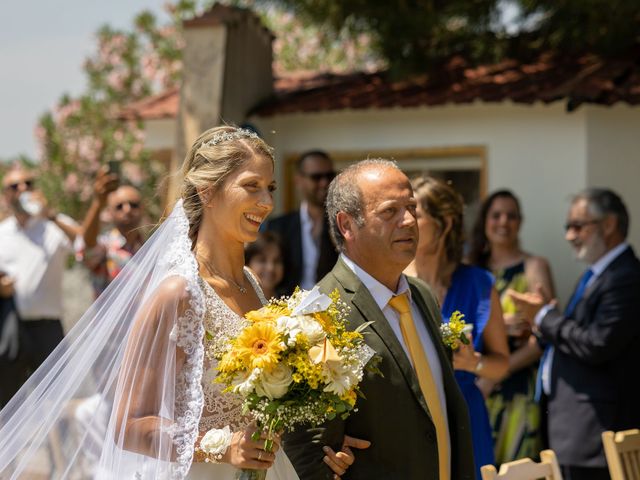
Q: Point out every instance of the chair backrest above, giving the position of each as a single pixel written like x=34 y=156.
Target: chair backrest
x=526 y=469
x=622 y=450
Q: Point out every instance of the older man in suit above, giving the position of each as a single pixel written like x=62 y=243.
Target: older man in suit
x=307 y=249
x=588 y=374
x=414 y=415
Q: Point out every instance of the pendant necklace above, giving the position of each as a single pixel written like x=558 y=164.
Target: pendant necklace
x=213 y=271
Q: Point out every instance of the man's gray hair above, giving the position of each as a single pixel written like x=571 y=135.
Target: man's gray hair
x=603 y=202
x=345 y=196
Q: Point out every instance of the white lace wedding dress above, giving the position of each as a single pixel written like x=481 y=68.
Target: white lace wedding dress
x=222 y=323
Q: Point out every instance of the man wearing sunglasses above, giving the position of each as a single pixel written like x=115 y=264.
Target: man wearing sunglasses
x=588 y=374
x=35 y=244
x=309 y=253
x=106 y=254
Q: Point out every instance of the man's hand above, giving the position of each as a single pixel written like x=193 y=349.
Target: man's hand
x=529 y=304
x=104 y=184
x=6 y=286
x=341 y=461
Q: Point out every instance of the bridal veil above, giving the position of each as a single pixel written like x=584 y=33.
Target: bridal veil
x=120 y=397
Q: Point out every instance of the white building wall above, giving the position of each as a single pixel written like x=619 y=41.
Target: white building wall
x=614 y=156
x=537 y=151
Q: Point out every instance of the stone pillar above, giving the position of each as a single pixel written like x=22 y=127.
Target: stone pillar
x=227 y=71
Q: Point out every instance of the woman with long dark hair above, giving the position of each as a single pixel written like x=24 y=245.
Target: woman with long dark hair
x=515 y=416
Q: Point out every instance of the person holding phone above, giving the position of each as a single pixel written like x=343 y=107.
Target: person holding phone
x=106 y=254
x=35 y=243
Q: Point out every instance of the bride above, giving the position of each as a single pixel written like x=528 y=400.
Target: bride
x=129 y=393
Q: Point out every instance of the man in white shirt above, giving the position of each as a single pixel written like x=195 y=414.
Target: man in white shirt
x=588 y=374
x=34 y=246
x=308 y=252
x=414 y=415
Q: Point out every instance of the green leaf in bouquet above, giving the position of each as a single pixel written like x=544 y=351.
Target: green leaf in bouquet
x=268 y=445
x=464 y=339
x=255 y=436
x=272 y=407
x=331 y=416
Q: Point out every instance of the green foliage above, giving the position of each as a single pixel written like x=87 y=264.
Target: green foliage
x=417 y=35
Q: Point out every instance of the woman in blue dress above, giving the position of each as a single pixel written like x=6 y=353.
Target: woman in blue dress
x=465 y=288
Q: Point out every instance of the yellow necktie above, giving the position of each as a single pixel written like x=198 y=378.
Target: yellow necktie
x=400 y=303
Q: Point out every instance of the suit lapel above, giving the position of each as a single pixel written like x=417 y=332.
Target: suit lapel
x=448 y=375
x=600 y=279
x=369 y=310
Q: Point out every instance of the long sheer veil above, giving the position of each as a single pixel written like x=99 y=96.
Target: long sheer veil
x=120 y=397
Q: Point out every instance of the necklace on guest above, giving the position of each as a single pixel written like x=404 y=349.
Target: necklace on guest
x=213 y=271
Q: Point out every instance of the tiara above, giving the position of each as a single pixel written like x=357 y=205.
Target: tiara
x=228 y=136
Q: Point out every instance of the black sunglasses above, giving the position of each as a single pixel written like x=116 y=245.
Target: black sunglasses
x=316 y=177
x=578 y=226
x=15 y=186
x=132 y=205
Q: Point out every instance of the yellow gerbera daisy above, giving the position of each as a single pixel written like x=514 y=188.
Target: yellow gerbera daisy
x=258 y=345
x=265 y=314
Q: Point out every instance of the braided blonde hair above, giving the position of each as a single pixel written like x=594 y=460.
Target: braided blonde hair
x=211 y=159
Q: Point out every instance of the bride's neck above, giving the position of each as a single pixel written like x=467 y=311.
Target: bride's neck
x=224 y=256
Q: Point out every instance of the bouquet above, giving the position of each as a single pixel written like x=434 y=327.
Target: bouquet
x=455 y=331
x=295 y=362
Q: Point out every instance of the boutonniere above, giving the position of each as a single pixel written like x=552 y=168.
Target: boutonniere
x=455 y=331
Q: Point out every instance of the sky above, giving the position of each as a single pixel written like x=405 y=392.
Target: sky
x=43 y=45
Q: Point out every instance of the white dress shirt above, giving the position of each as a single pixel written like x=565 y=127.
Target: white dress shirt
x=35 y=256
x=310 y=250
x=597 y=268
x=381 y=294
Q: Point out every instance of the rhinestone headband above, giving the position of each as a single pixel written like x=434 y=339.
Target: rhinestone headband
x=228 y=136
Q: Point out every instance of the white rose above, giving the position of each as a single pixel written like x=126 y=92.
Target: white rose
x=289 y=326
x=312 y=330
x=247 y=383
x=216 y=441
x=275 y=383
x=340 y=377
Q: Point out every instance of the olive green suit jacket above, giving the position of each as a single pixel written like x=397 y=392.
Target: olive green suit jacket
x=394 y=415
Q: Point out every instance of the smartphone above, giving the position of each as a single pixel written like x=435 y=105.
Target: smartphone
x=114 y=167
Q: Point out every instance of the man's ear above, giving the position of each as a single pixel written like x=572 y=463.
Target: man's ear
x=346 y=225
x=448 y=224
x=609 y=225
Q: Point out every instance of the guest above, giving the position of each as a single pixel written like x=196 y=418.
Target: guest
x=35 y=243
x=106 y=255
x=467 y=289
x=514 y=413
x=309 y=253
x=264 y=258
x=589 y=370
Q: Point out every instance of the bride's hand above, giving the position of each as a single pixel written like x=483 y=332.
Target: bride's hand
x=247 y=453
x=341 y=461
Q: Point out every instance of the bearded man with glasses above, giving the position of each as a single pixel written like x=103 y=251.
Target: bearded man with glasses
x=35 y=243
x=309 y=253
x=105 y=254
x=588 y=376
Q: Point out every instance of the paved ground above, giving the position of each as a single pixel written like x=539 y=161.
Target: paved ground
x=77 y=295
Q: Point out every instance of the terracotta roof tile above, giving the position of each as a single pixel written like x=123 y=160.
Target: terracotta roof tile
x=163 y=105
x=585 y=79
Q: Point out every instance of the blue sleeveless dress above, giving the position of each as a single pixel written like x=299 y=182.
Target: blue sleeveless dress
x=470 y=293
